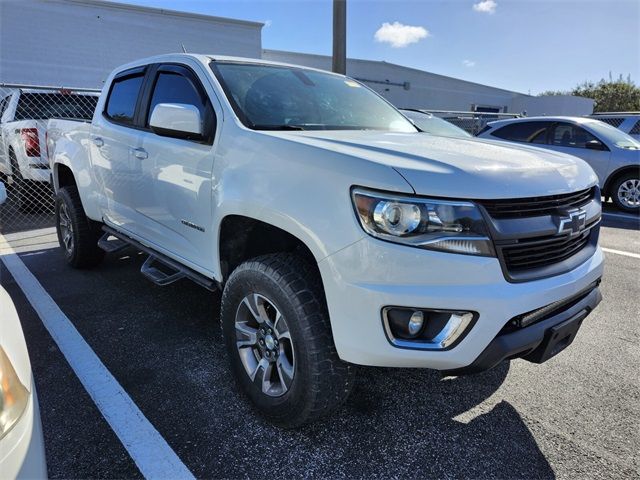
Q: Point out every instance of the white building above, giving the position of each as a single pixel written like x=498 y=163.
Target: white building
x=76 y=43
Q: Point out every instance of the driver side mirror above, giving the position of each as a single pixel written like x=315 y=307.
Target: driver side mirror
x=177 y=120
x=595 y=145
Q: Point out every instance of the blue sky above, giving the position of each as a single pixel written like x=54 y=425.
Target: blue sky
x=522 y=45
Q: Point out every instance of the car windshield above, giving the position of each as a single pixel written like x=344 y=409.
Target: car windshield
x=272 y=97
x=434 y=125
x=614 y=135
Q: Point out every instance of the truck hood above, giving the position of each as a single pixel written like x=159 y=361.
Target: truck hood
x=457 y=167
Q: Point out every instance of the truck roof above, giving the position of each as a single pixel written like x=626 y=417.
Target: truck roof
x=211 y=57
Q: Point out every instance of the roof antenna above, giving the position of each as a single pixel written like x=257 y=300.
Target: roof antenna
x=184 y=50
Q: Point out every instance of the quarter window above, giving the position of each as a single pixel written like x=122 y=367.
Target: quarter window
x=569 y=135
x=528 y=132
x=121 y=104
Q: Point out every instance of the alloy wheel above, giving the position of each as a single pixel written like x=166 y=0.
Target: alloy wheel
x=629 y=193
x=66 y=228
x=264 y=344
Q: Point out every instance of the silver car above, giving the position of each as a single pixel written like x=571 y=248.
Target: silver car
x=614 y=155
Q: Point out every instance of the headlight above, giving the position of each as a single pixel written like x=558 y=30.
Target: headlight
x=13 y=395
x=444 y=225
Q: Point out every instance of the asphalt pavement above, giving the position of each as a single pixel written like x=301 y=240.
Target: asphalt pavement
x=576 y=416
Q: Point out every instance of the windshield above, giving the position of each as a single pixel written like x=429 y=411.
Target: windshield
x=614 y=135
x=268 y=97
x=434 y=125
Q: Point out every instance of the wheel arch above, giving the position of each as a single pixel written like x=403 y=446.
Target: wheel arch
x=615 y=175
x=241 y=237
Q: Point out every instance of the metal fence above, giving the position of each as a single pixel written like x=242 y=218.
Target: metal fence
x=472 y=122
x=25 y=111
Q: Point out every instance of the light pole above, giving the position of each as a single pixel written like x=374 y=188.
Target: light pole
x=339 y=64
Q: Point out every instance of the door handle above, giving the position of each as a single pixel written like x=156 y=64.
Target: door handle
x=98 y=142
x=140 y=153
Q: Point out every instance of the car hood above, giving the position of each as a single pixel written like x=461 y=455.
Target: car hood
x=457 y=167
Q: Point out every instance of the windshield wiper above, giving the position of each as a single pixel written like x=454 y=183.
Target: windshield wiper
x=277 y=127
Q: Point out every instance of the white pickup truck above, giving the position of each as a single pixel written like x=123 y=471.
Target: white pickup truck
x=23 y=118
x=338 y=232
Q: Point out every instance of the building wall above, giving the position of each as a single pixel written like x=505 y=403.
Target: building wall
x=412 y=88
x=77 y=43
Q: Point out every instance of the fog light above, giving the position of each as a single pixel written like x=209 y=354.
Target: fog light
x=415 y=323
x=426 y=329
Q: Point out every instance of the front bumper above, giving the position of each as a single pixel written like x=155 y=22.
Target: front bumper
x=363 y=278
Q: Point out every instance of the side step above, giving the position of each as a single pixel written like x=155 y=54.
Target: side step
x=150 y=268
x=114 y=245
x=157 y=276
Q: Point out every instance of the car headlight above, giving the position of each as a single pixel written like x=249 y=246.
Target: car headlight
x=444 y=225
x=14 y=396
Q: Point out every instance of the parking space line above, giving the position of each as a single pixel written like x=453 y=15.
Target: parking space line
x=148 y=449
x=621 y=252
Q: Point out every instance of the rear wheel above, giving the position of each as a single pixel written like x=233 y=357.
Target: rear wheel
x=77 y=234
x=276 y=328
x=625 y=192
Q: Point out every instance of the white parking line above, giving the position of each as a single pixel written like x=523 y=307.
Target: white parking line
x=621 y=252
x=148 y=449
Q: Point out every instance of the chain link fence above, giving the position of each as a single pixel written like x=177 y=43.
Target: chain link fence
x=25 y=141
x=472 y=122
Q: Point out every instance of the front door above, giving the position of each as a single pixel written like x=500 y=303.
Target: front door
x=175 y=197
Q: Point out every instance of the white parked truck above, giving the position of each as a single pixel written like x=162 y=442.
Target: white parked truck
x=23 y=117
x=338 y=233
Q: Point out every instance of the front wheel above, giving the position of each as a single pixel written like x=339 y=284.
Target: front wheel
x=625 y=192
x=276 y=328
x=77 y=234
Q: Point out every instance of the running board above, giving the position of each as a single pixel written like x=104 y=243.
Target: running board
x=111 y=246
x=158 y=276
x=152 y=272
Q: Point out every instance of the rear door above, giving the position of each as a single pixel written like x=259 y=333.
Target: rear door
x=570 y=138
x=175 y=194
x=114 y=137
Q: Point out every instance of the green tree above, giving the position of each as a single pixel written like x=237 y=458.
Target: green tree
x=620 y=95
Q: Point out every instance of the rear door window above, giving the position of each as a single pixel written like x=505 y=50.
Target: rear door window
x=123 y=97
x=527 y=132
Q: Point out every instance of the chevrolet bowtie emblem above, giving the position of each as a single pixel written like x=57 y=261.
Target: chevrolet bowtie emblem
x=573 y=223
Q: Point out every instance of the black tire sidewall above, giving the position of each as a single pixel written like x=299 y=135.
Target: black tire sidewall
x=614 y=192
x=252 y=281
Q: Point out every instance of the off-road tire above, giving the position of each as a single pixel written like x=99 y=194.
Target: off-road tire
x=85 y=234
x=615 y=186
x=321 y=381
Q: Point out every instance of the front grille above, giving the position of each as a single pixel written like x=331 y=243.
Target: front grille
x=540 y=252
x=537 y=206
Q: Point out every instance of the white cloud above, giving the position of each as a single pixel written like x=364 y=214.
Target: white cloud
x=469 y=63
x=486 y=6
x=267 y=23
x=399 y=35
